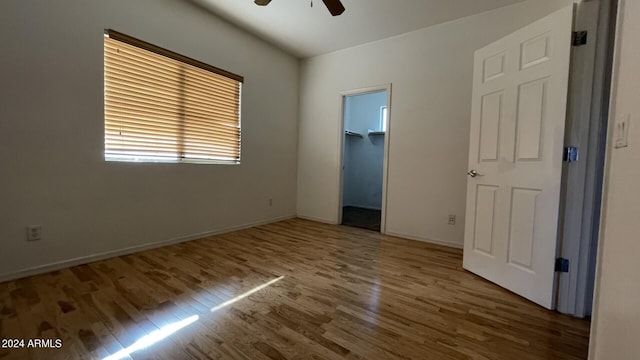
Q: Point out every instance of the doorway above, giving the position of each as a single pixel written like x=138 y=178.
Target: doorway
x=365 y=130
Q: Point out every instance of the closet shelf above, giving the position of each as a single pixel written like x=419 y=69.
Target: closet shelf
x=351 y=133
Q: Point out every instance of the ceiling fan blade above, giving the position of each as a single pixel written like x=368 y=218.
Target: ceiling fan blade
x=262 y=2
x=335 y=7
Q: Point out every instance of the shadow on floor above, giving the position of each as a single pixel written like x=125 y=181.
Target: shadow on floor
x=361 y=218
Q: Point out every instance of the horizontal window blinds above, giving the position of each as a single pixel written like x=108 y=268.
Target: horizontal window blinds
x=158 y=107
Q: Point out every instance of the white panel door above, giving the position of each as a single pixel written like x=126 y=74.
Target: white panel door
x=515 y=157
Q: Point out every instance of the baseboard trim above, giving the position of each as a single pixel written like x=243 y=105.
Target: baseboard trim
x=431 y=241
x=391 y=233
x=320 y=220
x=41 y=269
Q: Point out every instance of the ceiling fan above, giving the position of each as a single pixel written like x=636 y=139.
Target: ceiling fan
x=335 y=6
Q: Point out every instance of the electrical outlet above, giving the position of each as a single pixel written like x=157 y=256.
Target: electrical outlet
x=270 y=202
x=452 y=219
x=34 y=232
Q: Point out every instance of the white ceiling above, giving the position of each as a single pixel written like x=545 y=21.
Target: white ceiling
x=304 y=31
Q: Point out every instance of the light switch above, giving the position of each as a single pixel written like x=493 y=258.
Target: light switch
x=622 y=132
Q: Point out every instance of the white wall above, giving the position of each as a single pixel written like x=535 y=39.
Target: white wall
x=51 y=133
x=431 y=73
x=616 y=323
x=362 y=186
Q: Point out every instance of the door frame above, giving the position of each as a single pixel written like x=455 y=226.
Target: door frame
x=385 y=162
x=587 y=123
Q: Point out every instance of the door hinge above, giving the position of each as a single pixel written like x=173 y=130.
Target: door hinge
x=579 y=38
x=562 y=265
x=571 y=154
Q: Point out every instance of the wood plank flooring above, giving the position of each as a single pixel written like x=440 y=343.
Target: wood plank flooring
x=302 y=290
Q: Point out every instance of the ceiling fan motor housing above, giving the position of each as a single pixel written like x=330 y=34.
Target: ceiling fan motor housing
x=335 y=6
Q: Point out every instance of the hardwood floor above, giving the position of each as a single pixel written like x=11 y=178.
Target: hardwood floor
x=311 y=291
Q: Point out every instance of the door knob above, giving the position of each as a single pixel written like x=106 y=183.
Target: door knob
x=473 y=173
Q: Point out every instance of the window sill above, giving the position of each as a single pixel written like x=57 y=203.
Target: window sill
x=147 y=160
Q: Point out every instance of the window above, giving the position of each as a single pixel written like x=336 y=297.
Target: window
x=384 y=118
x=164 y=107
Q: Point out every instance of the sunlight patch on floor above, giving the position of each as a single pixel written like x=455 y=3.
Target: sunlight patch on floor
x=166 y=331
x=153 y=337
x=242 y=296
